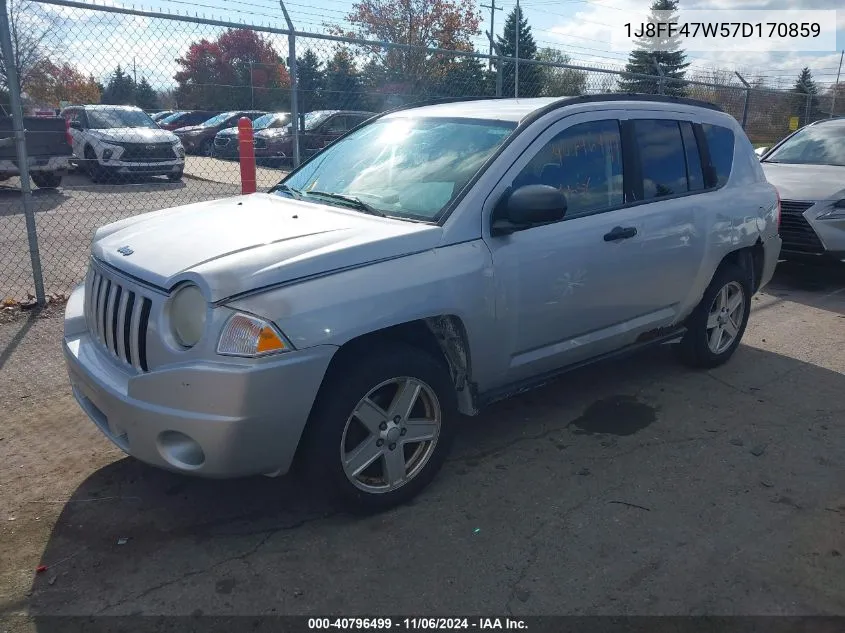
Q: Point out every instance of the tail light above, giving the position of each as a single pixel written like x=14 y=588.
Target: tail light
x=67 y=132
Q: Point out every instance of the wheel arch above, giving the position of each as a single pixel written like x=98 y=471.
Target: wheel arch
x=444 y=337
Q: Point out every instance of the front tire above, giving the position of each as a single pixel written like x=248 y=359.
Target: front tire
x=716 y=326
x=381 y=427
x=175 y=176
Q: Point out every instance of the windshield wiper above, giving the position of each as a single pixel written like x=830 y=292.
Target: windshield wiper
x=296 y=193
x=357 y=203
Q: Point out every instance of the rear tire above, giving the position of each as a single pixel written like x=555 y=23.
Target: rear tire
x=46 y=179
x=716 y=326
x=392 y=464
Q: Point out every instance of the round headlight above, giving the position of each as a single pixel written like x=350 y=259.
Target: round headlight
x=187 y=315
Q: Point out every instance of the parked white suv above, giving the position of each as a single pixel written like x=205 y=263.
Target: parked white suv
x=111 y=142
x=429 y=262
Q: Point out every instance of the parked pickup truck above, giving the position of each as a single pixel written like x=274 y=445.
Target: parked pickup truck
x=47 y=148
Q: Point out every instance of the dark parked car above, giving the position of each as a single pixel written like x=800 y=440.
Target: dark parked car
x=158 y=116
x=226 y=141
x=320 y=128
x=199 y=139
x=184 y=118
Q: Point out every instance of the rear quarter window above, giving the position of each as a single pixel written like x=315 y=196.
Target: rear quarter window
x=720 y=143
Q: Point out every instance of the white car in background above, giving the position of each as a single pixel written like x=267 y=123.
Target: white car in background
x=111 y=142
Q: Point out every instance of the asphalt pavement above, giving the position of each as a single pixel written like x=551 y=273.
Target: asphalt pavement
x=632 y=488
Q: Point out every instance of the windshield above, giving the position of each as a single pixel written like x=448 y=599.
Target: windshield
x=118 y=117
x=268 y=120
x=217 y=120
x=816 y=145
x=170 y=118
x=403 y=167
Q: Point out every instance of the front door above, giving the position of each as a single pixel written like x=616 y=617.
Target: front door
x=583 y=286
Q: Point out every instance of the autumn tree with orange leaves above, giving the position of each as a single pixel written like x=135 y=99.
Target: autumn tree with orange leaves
x=240 y=69
x=49 y=84
x=447 y=24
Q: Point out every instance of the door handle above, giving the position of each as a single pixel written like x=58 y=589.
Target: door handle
x=620 y=233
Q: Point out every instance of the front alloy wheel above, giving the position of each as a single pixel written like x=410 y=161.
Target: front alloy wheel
x=391 y=435
x=381 y=426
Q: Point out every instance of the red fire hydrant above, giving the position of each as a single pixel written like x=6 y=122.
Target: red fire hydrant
x=246 y=150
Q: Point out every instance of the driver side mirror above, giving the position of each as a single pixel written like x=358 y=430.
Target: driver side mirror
x=76 y=125
x=528 y=206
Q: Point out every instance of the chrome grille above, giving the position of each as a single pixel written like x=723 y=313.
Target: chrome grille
x=118 y=318
x=797 y=234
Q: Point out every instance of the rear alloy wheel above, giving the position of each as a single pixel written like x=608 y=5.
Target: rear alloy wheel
x=381 y=427
x=716 y=326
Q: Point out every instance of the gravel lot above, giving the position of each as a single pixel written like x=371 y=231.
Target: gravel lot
x=637 y=487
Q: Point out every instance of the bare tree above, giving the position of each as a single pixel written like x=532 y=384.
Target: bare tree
x=34 y=34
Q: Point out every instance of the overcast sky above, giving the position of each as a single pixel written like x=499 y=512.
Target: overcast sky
x=581 y=28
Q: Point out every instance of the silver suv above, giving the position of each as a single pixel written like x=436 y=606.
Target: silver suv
x=430 y=262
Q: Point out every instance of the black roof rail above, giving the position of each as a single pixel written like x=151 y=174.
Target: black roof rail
x=636 y=96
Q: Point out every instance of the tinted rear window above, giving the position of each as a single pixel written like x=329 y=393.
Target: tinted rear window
x=720 y=141
x=662 y=157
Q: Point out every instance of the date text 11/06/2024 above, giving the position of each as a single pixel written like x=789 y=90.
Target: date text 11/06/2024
x=411 y=624
x=724 y=29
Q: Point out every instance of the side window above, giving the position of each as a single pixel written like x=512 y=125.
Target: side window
x=695 y=175
x=662 y=157
x=720 y=143
x=585 y=162
x=336 y=125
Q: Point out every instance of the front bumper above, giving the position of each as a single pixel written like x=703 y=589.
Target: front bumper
x=192 y=143
x=145 y=169
x=216 y=418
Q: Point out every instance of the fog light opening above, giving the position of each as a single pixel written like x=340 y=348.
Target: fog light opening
x=180 y=450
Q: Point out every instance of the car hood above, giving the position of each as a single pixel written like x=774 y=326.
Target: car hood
x=240 y=244
x=806 y=182
x=135 y=135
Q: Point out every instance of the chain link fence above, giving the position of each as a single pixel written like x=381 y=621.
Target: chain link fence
x=108 y=69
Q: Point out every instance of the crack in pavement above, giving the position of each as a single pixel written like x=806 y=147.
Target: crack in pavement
x=533 y=551
x=268 y=534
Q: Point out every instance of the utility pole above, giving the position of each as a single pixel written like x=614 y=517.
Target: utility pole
x=836 y=85
x=493 y=8
x=516 y=51
x=294 y=84
x=499 y=69
x=251 y=88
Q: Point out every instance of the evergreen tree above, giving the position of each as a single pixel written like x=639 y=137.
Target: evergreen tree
x=806 y=105
x=464 y=77
x=120 y=90
x=146 y=97
x=805 y=83
x=670 y=57
x=530 y=75
x=344 y=90
x=310 y=82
